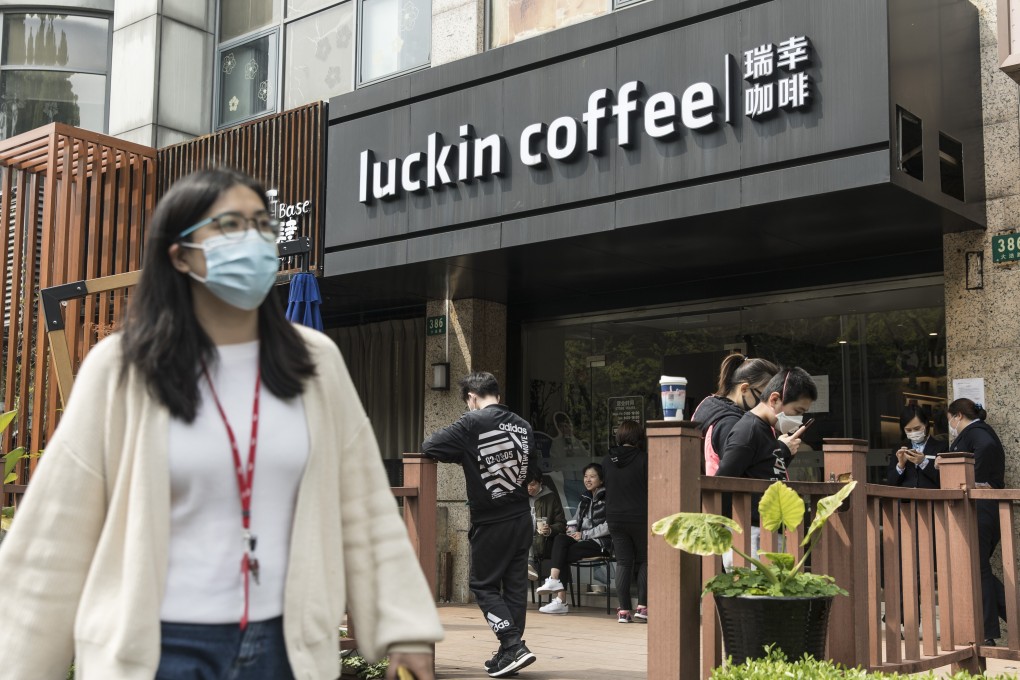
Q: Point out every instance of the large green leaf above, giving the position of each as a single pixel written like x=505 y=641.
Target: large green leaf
x=826 y=507
x=11 y=459
x=780 y=506
x=698 y=533
x=7 y=418
x=782 y=560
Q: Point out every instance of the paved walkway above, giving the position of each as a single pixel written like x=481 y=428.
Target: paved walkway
x=583 y=645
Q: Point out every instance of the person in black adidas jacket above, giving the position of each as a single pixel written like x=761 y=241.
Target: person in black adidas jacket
x=493 y=445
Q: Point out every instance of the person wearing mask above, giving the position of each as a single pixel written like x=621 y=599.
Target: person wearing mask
x=626 y=476
x=752 y=448
x=971 y=434
x=493 y=445
x=545 y=505
x=741 y=381
x=913 y=464
x=588 y=537
x=208 y=419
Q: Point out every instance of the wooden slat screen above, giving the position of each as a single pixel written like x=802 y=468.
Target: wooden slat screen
x=286 y=152
x=74 y=206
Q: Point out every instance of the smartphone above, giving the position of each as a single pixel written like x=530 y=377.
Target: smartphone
x=803 y=427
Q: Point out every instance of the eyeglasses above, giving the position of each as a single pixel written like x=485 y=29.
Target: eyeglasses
x=232 y=225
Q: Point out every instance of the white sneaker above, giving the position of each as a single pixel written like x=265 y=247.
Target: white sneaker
x=551 y=585
x=555 y=607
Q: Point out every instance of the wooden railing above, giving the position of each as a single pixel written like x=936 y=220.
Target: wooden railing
x=921 y=544
x=419 y=497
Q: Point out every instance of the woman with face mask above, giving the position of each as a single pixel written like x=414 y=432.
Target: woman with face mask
x=741 y=381
x=752 y=448
x=971 y=434
x=913 y=464
x=213 y=499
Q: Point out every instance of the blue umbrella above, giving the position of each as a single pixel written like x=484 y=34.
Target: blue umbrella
x=304 y=300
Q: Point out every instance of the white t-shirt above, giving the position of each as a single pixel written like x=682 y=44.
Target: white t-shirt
x=204 y=576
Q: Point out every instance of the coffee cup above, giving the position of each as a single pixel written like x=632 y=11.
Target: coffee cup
x=540 y=524
x=572 y=526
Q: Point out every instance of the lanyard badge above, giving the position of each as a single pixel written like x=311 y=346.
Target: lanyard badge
x=245 y=476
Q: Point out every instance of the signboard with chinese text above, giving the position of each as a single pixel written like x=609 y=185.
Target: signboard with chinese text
x=1005 y=248
x=624 y=408
x=435 y=325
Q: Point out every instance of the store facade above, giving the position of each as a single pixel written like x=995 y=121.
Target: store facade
x=644 y=192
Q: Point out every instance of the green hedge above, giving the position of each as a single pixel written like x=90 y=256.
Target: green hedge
x=776 y=666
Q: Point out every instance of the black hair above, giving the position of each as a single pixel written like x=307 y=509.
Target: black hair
x=534 y=474
x=968 y=409
x=481 y=383
x=162 y=338
x=911 y=411
x=737 y=369
x=629 y=432
x=598 y=470
x=792 y=384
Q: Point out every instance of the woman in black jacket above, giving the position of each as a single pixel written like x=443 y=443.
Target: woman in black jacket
x=626 y=469
x=972 y=434
x=913 y=464
x=587 y=536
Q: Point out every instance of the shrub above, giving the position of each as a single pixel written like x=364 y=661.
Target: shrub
x=775 y=665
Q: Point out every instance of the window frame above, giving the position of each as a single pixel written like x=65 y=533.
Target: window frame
x=358 y=61
x=276 y=97
x=108 y=16
x=279 y=28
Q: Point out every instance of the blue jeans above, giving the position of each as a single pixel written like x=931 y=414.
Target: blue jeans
x=192 y=651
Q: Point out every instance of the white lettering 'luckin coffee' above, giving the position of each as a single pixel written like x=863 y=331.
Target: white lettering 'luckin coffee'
x=662 y=116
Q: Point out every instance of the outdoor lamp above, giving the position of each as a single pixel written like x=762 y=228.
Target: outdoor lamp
x=441 y=376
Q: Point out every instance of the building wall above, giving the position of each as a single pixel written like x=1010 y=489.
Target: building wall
x=982 y=325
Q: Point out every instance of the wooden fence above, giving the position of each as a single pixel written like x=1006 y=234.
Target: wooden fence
x=74 y=204
x=920 y=544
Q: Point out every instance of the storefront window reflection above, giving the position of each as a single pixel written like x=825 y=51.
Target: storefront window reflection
x=54 y=69
x=870 y=354
x=513 y=20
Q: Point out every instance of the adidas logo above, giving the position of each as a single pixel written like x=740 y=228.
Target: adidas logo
x=497 y=624
x=517 y=429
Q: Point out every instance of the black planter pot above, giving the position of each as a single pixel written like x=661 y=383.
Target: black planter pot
x=793 y=624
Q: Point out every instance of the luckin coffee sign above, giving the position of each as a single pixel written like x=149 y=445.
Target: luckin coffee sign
x=774 y=78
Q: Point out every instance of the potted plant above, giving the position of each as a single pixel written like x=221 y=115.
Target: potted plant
x=773 y=602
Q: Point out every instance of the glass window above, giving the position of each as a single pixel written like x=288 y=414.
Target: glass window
x=30 y=99
x=513 y=20
x=396 y=36
x=247 y=80
x=238 y=17
x=79 y=43
x=871 y=354
x=296 y=8
x=320 y=56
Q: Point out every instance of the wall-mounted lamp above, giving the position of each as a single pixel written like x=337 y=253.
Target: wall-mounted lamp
x=841 y=341
x=441 y=376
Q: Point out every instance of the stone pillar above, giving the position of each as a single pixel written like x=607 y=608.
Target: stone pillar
x=475 y=341
x=982 y=326
x=161 y=76
x=458 y=29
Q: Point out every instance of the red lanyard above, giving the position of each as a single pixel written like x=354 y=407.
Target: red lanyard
x=249 y=565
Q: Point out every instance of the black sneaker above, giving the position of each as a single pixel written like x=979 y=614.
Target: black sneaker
x=491 y=663
x=511 y=660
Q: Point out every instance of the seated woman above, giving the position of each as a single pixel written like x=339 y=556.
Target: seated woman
x=545 y=505
x=588 y=537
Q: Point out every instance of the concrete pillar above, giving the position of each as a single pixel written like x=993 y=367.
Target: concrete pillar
x=161 y=80
x=476 y=333
x=458 y=29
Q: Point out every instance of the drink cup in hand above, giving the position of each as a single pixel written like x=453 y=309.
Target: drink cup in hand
x=541 y=524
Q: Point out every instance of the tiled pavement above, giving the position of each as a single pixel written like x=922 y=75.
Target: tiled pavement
x=586 y=644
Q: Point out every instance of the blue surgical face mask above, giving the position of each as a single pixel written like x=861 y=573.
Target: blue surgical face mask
x=241 y=272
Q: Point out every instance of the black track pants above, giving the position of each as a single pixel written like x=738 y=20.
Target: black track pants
x=630 y=543
x=499 y=574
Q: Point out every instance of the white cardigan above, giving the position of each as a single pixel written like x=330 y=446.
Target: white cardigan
x=84 y=566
